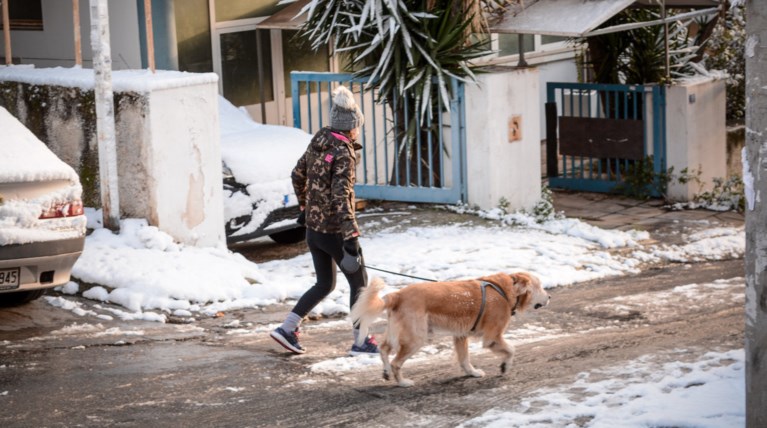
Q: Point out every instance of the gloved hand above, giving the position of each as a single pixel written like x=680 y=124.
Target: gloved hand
x=352 y=246
x=301 y=218
x=351 y=261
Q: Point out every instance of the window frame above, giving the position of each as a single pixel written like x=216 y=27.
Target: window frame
x=541 y=53
x=17 y=24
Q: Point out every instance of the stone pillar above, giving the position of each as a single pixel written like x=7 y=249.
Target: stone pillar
x=503 y=132
x=696 y=134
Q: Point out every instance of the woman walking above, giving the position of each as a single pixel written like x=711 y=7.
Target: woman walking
x=323 y=180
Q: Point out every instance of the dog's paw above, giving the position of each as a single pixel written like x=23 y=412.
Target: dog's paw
x=476 y=373
x=406 y=383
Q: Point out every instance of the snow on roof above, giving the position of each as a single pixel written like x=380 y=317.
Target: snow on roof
x=122 y=80
x=24 y=158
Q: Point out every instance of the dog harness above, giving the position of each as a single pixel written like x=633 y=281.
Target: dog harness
x=483 y=285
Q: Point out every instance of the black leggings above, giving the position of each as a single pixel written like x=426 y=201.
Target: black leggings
x=327 y=252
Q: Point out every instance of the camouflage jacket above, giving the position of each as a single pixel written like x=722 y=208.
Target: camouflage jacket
x=323 y=180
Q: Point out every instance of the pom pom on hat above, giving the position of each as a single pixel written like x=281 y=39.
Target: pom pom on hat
x=344 y=98
x=345 y=115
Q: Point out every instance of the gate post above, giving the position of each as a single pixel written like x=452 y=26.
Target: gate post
x=552 y=160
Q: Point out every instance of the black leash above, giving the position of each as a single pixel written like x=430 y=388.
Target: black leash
x=399 y=274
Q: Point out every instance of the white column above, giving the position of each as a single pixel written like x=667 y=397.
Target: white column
x=105 y=119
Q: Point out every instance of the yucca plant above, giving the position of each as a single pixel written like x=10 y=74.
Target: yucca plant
x=637 y=56
x=409 y=50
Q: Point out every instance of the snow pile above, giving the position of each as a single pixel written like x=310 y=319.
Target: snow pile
x=558 y=224
x=144 y=269
x=712 y=244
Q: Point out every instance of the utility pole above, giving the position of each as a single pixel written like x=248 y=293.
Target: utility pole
x=105 y=114
x=755 y=179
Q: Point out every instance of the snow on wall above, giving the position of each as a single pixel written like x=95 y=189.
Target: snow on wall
x=141 y=81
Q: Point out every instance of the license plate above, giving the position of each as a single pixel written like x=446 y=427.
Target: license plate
x=9 y=278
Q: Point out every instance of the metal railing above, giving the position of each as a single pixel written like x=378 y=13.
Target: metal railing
x=405 y=156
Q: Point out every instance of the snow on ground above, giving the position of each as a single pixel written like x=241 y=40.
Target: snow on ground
x=645 y=392
x=142 y=270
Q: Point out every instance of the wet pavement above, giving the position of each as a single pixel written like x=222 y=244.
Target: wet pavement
x=226 y=371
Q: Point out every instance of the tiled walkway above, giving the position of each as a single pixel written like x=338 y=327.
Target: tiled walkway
x=619 y=212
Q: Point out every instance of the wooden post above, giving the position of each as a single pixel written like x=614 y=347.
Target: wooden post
x=105 y=119
x=664 y=15
x=552 y=150
x=78 y=42
x=7 y=33
x=149 y=34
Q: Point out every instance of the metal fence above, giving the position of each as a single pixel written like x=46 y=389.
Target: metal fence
x=603 y=133
x=405 y=156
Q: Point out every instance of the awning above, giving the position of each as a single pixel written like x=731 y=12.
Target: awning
x=567 y=18
x=580 y=18
x=286 y=18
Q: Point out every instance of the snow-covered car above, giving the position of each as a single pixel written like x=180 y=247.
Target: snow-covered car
x=258 y=194
x=42 y=225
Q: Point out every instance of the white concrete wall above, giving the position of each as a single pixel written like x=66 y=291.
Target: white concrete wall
x=54 y=46
x=185 y=180
x=696 y=133
x=496 y=167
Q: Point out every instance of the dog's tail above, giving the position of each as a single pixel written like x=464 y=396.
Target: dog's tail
x=368 y=307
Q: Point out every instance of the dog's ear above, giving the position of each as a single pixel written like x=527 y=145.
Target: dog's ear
x=523 y=289
x=522 y=282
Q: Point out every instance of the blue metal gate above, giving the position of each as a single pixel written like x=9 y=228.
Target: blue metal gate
x=603 y=132
x=404 y=158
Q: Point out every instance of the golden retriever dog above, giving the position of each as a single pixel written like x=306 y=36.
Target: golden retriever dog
x=467 y=308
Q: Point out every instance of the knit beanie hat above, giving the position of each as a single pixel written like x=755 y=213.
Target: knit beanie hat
x=345 y=115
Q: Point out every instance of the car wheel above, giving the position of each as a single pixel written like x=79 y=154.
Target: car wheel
x=20 y=297
x=290 y=236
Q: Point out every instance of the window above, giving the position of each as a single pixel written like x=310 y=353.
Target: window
x=297 y=56
x=25 y=15
x=552 y=39
x=240 y=75
x=508 y=44
x=540 y=48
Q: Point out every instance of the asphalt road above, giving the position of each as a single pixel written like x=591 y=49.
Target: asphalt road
x=58 y=369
